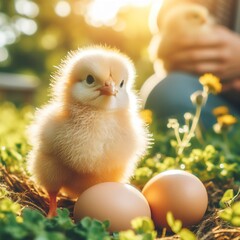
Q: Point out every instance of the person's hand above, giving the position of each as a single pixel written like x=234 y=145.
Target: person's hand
x=218 y=53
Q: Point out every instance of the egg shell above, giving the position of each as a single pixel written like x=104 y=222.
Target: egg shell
x=118 y=203
x=177 y=191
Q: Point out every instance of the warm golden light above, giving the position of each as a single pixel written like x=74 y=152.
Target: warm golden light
x=104 y=12
x=63 y=8
x=155 y=7
x=49 y=41
x=26 y=26
x=27 y=8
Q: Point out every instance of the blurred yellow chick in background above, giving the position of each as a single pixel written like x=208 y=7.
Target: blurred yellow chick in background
x=91 y=130
x=182 y=21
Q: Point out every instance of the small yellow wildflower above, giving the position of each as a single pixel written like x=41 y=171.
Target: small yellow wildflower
x=147 y=116
x=211 y=82
x=220 y=111
x=227 y=120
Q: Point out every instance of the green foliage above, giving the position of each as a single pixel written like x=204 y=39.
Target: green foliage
x=13 y=143
x=13 y=123
x=7 y=205
x=143 y=229
x=206 y=159
x=176 y=227
x=209 y=164
x=31 y=224
x=231 y=211
x=231 y=214
x=227 y=198
x=3 y=192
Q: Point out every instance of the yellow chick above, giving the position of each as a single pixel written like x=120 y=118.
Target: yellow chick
x=91 y=130
x=183 y=21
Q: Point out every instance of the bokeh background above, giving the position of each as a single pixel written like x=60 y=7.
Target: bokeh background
x=36 y=34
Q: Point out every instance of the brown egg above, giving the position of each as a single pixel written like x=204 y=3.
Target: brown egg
x=117 y=202
x=177 y=191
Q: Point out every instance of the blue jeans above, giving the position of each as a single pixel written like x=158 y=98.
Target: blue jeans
x=171 y=98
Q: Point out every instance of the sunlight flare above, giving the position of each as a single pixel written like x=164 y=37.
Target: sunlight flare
x=63 y=8
x=104 y=12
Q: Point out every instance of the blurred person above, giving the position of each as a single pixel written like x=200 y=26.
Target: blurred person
x=183 y=55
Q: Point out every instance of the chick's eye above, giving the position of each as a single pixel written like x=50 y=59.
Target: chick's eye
x=121 y=84
x=90 y=79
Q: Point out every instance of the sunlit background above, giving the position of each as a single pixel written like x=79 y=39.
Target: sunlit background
x=36 y=34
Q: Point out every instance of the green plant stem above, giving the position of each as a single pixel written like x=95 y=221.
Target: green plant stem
x=176 y=131
x=188 y=137
x=235 y=197
x=226 y=143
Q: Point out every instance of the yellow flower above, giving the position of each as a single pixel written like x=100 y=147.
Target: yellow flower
x=147 y=116
x=211 y=83
x=226 y=120
x=220 y=111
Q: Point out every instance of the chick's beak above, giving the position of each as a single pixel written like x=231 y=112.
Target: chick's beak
x=108 y=89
